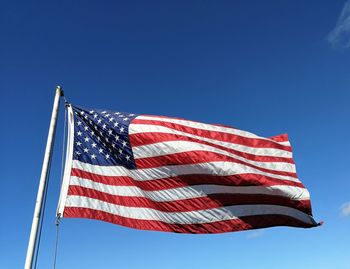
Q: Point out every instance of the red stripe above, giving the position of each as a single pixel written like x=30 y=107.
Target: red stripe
x=277 y=138
x=196 y=157
x=244 y=223
x=200 y=203
x=280 y=138
x=186 y=180
x=142 y=139
x=221 y=136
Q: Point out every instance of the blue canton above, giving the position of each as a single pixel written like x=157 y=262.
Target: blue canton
x=102 y=137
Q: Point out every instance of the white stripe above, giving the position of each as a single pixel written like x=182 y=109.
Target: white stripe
x=205 y=126
x=285 y=143
x=192 y=217
x=212 y=168
x=135 y=128
x=172 y=147
x=190 y=192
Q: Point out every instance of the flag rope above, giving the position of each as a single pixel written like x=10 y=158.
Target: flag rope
x=58 y=217
x=57 y=236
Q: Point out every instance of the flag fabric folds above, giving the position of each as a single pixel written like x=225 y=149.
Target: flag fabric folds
x=170 y=174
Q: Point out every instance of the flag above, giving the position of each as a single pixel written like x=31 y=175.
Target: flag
x=176 y=175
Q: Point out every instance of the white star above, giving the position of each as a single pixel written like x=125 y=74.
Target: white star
x=120 y=151
x=79 y=123
x=93 y=156
x=86 y=128
x=92 y=133
x=127 y=157
x=116 y=124
x=95 y=116
x=121 y=129
x=104 y=126
x=96 y=127
x=125 y=119
x=124 y=143
x=92 y=111
x=90 y=121
x=98 y=138
x=86 y=139
x=113 y=145
x=86 y=150
x=93 y=145
x=82 y=112
x=99 y=121
x=131 y=115
x=111 y=119
x=107 y=139
x=116 y=137
x=100 y=150
x=78 y=143
x=107 y=156
x=86 y=117
x=110 y=131
x=117 y=113
x=104 y=112
x=79 y=133
x=78 y=153
x=107 y=115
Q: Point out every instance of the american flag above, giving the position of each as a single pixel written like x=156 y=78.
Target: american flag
x=170 y=174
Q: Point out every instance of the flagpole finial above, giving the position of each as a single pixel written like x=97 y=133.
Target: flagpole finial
x=59 y=89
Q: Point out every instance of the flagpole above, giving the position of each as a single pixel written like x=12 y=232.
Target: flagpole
x=43 y=177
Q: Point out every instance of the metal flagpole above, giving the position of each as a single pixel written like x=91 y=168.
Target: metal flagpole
x=43 y=177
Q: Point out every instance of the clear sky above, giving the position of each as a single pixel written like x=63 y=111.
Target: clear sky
x=268 y=67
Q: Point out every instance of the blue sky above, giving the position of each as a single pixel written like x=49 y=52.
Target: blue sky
x=268 y=67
